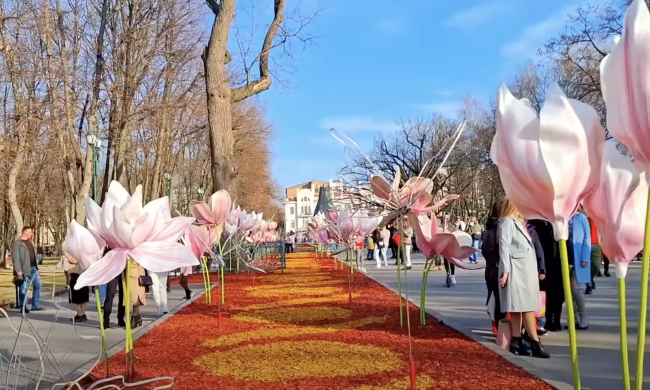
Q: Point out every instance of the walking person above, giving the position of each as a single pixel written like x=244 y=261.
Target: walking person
x=519 y=281
x=381 y=237
x=25 y=266
x=541 y=270
x=553 y=276
x=78 y=297
x=596 y=256
x=490 y=250
x=159 y=290
x=358 y=256
x=370 y=245
x=391 y=242
x=408 y=244
x=185 y=273
x=476 y=231
x=450 y=268
x=579 y=253
x=288 y=242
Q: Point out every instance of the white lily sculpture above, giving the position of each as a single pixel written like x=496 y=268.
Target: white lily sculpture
x=147 y=235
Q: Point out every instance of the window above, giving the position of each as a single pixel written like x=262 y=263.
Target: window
x=304 y=199
x=291 y=210
x=293 y=224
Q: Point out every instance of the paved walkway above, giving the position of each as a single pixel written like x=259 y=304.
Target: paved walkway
x=463 y=307
x=70 y=350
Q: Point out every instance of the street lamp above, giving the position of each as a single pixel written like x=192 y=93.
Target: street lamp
x=200 y=191
x=168 y=179
x=95 y=144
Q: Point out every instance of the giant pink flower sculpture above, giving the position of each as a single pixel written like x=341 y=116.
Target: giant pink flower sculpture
x=199 y=239
x=534 y=155
x=214 y=212
x=412 y=195
x=433 y=243
x=618 y=207
x=146 y=234
x=82 y=246
x=625 y=82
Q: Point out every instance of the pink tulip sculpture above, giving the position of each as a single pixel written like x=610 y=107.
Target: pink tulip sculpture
x=533 y=155
x=618 y=207
x=201 y=239
x=147 y=235
x=625 y=83
x=434 y=243
x=214 y=213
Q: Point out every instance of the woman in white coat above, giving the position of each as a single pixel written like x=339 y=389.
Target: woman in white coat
x=519 y=282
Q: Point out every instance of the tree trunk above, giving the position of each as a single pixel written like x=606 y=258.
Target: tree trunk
x=11 y=186
x=217 y=86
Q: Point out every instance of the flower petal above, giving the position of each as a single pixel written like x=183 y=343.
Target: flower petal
x=201 y=211
x=132 y=209
x=81 y=245
x=220 y=204
x=380 y=187
x=163 y=256
x=171 y=230
x=103 y=270
x=121 y=230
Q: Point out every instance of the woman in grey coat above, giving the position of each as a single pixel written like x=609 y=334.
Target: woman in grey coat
x=519 y=280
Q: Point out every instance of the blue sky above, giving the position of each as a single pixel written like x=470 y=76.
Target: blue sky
x=376 y=62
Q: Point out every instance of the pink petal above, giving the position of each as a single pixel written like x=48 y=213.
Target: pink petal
x=421 y=202
x=396 y=180
x=172 y=230
x=201 y=211
x=81 y=245
x=116 y=196
x=618 y=207
x=121 y=230
x=160 y=205
x=132 y=209
x=625 y=84
x=220 y=204
x=465 y=264
x=103 y=270
x=163 y=256
x=380 y=187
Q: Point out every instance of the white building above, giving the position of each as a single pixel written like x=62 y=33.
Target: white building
x=299 y=204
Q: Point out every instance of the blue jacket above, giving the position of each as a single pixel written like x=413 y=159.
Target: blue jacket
x=580 y=247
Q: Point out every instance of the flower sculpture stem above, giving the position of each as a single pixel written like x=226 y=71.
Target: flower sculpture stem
x=566 y=282
x=206 y=280
x=100 y=313
x=622 y=313
x=643 y=309
x=423 y=292
x=129 y=333
x=399 y=286
x=223 y=286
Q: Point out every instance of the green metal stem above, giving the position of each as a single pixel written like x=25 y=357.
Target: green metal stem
x=622 y=314
x=573 y=341
x=643 y=305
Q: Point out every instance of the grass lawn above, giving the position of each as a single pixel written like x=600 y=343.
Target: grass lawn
x=50 y=277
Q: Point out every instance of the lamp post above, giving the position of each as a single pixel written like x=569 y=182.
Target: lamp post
x=168 y=183
x=95 y=144
x=200 y=191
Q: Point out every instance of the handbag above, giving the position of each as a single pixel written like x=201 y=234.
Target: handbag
x=504 y=335
x=145 y=281
x=18 y=281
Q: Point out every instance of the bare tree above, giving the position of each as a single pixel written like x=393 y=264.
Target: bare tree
x=221 y=93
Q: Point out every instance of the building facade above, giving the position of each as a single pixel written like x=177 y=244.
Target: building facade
x=299 y=204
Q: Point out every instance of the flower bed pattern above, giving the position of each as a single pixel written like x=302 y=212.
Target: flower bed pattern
x=316 y=342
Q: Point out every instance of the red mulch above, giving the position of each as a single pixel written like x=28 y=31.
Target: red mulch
x=448 y=357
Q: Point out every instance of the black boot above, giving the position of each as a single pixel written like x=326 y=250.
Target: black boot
x=517 y=347
x=538 y=350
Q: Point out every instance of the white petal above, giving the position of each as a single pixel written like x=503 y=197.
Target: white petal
x=161 y=256
x=172 y=230
x=104 y=270
x=132 y=209
x=81 y=245
x=121 y=229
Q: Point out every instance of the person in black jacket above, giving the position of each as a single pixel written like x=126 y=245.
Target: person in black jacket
x=541 y=268
x=553 y=274
x=490 y=250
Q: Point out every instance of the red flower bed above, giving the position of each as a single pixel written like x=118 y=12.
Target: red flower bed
x=246 y=350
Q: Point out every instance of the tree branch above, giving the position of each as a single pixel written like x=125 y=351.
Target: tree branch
x=264 y=81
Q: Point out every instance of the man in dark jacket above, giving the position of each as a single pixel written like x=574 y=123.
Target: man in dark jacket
x=552 y=283
x=25 y=265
